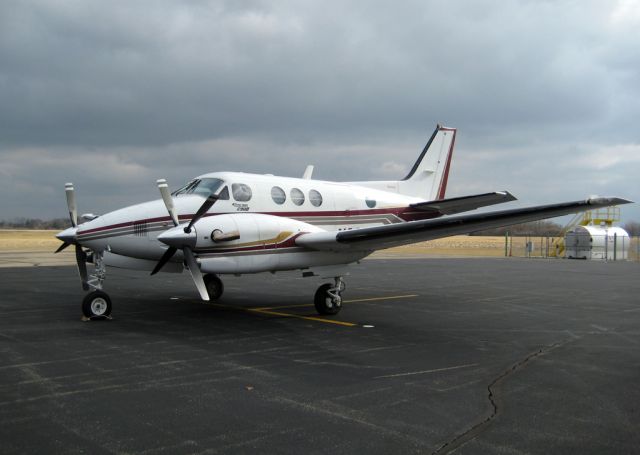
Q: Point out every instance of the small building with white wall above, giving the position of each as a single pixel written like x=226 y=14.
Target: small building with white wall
x=597 y=242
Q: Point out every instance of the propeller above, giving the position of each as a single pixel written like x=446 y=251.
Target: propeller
x=184 y=239
x=81 y=261
x=204 y=208
x=196 y=273
x=71 y=203
x=164 y=259
x=61 y=247
x=68 y=236
x=73 y=216
x=168 y=200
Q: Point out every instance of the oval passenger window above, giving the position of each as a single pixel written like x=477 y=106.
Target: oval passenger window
x=241 y=192
x=315 y=198
x=278 y=195
x=297 y=196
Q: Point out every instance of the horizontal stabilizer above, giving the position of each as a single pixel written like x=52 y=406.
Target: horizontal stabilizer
x=462 y=204
x=391 y=235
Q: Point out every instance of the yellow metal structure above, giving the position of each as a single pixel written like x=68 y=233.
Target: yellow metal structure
x=599 y=217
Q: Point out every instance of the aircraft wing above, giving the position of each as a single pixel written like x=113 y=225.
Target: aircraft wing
x=465 y=203
x=391 y=235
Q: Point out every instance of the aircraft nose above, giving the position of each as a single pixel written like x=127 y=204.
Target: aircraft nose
x=177 y=238
x=69 y=235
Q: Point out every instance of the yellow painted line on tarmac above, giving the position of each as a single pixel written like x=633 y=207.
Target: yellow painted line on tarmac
x=371 y=299
x=298 y=316
x=270 y=310
x=390 y=297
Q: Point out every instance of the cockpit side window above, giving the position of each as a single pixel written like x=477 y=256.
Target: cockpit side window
x=241 y=192
x=205 y=187
x=224 y=194
x=184 y=189
x=202 y=187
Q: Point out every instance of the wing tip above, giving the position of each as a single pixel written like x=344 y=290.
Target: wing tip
x=607 y=201
x=507 y=196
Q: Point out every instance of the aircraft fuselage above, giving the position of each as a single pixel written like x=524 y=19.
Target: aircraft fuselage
x=269 y=212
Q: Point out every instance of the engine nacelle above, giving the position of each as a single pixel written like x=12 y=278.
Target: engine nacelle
x=252 y=231
x=246 y=242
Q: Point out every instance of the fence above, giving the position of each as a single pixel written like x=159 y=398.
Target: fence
x=594 y=247
x=525 y=246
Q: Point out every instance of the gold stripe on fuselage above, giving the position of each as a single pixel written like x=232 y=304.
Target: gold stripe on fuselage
x=275 y=240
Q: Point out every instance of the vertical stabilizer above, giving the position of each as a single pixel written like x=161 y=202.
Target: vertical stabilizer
x=429 y=175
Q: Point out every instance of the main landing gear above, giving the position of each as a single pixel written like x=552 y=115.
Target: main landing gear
x=328 y=298
x=214 y=285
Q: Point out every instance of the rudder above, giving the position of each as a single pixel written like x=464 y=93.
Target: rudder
x=429 y=175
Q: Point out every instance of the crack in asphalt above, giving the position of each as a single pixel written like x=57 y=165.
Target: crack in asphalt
x=493 y=397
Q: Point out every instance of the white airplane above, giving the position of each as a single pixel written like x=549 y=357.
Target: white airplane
x=235 y=223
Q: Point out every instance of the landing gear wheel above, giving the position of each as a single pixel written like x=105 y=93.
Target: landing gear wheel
x=214 y=285
x=96 y=304
x=326 y=301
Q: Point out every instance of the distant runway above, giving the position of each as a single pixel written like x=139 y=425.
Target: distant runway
x=427 y=356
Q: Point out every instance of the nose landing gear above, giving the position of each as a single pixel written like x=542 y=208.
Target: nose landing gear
x=97 y=303
x=328 y=298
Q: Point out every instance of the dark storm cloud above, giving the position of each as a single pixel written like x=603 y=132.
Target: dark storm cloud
x=114 y=95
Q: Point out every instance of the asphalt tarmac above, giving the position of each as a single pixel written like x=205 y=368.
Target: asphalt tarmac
x=465 y=356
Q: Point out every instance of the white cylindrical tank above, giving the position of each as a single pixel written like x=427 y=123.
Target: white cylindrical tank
x=595 y=242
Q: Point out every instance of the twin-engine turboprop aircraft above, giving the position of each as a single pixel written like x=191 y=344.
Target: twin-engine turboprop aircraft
x=235 y=223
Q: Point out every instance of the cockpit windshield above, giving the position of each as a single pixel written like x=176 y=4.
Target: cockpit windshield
x=200 y=187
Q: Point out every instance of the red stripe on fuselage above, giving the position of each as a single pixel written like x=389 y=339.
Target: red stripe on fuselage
x=404 y=213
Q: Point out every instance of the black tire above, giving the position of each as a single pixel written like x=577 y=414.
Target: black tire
x=96 y=304
x=214 y=285
x=324 y=303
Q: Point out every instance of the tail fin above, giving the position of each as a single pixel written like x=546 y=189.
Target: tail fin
x=429 y=175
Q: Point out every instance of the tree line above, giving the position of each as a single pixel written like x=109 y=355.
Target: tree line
x=35 y=223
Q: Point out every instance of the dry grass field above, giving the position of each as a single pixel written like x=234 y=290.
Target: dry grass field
x=28 y=240
x=45 y=241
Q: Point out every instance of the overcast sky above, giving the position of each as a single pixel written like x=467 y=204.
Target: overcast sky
x=113 y=95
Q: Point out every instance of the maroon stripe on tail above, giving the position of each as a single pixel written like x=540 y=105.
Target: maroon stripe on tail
x=445 y=175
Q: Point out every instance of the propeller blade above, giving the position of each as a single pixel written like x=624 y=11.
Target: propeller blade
x=81 y=260
x=71 y=203
x=204 y=208
x=164 y=259
x=62 y=247
x=168 y=200
x=196 y=274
